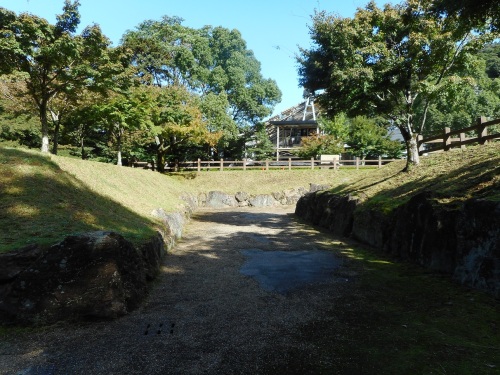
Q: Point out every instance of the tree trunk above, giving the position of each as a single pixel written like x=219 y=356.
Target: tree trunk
x=160 y=161
x=411 y=142
x=45 y=127
x=413 y=155
x=55 y=140
x=57 y=126
x=119 y=153
x=83 y=148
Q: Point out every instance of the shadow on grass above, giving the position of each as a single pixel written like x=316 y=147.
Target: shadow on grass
x=476 y=181
x=41 y=203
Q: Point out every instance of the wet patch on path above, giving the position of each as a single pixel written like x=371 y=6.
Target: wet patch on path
x=284 y=271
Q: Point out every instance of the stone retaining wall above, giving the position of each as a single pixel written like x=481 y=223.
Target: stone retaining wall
x=461 y=241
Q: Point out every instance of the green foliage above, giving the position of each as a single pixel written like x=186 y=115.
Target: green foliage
x=260 y=146
x=212 y=62
x=471 y=12
x=491 y=54
x=316 y=145
x=337 y=126
x=388 y=62
x=367 y=138
x=177 y=122
x=52 y=63
x=466 y=99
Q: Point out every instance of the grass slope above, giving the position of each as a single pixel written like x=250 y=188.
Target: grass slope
x=44 y=198
x=453 y=176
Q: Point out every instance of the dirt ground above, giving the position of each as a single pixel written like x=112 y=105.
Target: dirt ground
x=203 y=315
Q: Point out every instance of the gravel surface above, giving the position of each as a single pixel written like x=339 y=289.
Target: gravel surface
x=203 y=315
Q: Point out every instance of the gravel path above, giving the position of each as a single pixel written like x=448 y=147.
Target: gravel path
x=203 y=316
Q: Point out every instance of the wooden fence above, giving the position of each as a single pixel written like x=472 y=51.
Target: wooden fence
x=458 y=138
x=266 y=165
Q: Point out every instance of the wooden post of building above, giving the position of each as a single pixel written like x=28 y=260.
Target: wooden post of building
x=277 y=143
x=289 y=164
x=380 y=161
x=199 y=165
x=462 y=140
x=221 y=165
x=482 y=131
x=446 y=139
x=312 y=163
x=244 y=164
x=267 y=164
x=357 y=162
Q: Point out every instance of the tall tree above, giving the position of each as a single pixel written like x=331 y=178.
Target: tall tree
x=51 y=59
x=387 y=62
x=212 y=62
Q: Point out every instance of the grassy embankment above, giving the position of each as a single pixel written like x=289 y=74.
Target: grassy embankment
x=44 y=198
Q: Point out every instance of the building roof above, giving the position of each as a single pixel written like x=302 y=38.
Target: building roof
x=295 y=115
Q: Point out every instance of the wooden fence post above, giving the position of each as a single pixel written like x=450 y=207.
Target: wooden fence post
x=335 y=164
x=221 y=165
x=482 y=131
x=462 y=140
x=380 y=161
x=289 y=164
x=357 y=162
x=244 y=164
x=312 y=163
x=199 y=165
x=267 y=164
x=446 y=139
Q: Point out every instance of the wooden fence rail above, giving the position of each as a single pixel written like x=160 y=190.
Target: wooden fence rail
x=449 y=139
x=222 y=165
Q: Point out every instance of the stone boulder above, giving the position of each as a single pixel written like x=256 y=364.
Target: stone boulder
x=97 y=275
x=218 y=199
x=173 y=222
x=262 y=200
x=242 y=196
x=317 y=187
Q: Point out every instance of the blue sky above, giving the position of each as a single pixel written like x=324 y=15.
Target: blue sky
x=271 y=28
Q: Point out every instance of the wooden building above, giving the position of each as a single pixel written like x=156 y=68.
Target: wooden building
x=287 y=129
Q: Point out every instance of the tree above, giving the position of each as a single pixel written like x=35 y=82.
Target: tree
x=51 y=59
x=387 y=62
x=473 y=13
x=467 y=99
x=316 y=145
x=491 y=55
x=177 y=121
x=259 y=146
x=213 y=63
x=367 y=138
x=122 y=113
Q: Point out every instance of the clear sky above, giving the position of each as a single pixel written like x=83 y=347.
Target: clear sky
x=271 y=28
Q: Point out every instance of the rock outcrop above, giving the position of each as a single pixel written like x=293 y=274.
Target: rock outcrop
x=97 y=275
x=461 y=241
